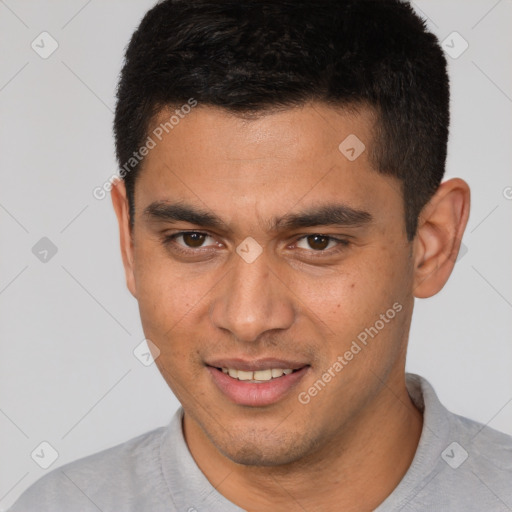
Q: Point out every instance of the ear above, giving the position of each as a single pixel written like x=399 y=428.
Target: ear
x=440 y=228
x=120 y=203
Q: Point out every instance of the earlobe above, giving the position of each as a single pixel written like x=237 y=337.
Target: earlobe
x=121 y=207
x=438 y=238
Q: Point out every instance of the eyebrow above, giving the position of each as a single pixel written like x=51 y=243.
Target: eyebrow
x=324 y=215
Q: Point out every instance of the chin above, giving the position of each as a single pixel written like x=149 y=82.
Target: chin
x=256 y=456
x=261 y=450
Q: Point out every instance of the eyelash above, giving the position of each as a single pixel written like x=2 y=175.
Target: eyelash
x=171 y=239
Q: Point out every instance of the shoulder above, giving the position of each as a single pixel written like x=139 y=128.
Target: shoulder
x=485 y=450
x=475 y=468
x=124 y=477
x=474 y=443
x=460 y=464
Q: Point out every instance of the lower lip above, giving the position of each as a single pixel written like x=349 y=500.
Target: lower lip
x=255 y=394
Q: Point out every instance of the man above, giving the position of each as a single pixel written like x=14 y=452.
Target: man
x=280 y=209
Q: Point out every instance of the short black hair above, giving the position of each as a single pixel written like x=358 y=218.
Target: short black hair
x=251 y=56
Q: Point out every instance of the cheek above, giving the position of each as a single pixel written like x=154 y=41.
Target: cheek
x=169 y=305
x=354 y=296
x=165 y=295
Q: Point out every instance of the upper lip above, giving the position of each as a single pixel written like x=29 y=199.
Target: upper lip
x=256 y=364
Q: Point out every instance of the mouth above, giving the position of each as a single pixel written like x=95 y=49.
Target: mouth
x=257 y=384
x=258 y=376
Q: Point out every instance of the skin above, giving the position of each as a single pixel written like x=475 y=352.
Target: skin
x=294 y=301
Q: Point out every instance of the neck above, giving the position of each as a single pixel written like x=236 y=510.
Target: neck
x=356 y=470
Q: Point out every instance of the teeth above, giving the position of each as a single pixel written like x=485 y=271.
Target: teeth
x=258 y=375
x=244 y=375
x=263 y=375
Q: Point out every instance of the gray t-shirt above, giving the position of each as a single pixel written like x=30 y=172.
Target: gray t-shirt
x=460 y=465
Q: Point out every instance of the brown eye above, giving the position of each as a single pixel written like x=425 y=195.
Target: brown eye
x=318 y=242
x=188 y=241
x=194 y=239
x=321 y=244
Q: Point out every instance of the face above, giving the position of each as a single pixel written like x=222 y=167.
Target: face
x=258 y=246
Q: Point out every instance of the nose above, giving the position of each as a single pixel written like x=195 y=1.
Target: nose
x=252 y=300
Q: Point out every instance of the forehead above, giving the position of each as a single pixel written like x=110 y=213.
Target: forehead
x=310 y=129
x=265 y=164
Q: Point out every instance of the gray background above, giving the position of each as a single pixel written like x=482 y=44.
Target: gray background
x=68 y=326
